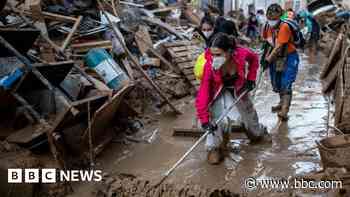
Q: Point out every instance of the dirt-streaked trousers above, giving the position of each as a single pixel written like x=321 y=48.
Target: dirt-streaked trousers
x=243 y=113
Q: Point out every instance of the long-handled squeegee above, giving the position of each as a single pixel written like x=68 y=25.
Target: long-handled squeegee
x=223 y=115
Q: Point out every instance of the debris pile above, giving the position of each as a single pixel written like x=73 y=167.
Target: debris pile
x=334 y=74
x=335 y=85
x=71 y=71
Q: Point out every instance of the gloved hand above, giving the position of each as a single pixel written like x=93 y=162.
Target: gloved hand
x=249 y=86
x=209 y=127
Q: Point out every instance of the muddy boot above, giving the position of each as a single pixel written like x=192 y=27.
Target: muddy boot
x=214 y=157
x=286 y=101
x=223 y=147
x=277 y=107
x=264 y=137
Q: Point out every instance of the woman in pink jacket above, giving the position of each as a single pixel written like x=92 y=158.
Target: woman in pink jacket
x=224 y=79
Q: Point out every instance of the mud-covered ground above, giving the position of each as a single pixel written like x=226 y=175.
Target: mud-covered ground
x=293 y=151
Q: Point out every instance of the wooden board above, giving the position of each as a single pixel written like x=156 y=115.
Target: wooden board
x=144 y=34
x=178 y=44
x=329 y=81
x=183 y=59
x=187 y=65
x=184 y=48
x=27 y=135
x=102 y=119
x=331 y=61
x=184 y=55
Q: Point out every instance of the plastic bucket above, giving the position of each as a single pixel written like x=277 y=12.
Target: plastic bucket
x=99 y=60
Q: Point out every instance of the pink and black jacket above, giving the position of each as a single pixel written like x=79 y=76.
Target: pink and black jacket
x=212 y=84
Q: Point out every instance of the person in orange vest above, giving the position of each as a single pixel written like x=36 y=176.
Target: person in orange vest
x=283 y=60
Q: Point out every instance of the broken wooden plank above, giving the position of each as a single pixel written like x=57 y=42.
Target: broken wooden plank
x=35 y=7
x=191 y=77
x=146 y=40
x=183 y=48
x=128 y=68
x=54 y=16
x=335 y=51
x=188 y=72
x=71 y=33
x=187 y=132
x=103 y=118
x=187 y=65
x=116 y=7
x=178 y=43
x=192 y=54
x=165 y=26
x=329 y=81
x=183 y=59
x=155 y=53
x=84 y=47
x=131 y=4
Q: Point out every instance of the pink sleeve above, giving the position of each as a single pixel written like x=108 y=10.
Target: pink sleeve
x=253 y=61
x=203 y=95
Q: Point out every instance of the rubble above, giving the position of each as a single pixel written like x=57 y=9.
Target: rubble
x=129 y=185
x=335 y=81
x=71 y=71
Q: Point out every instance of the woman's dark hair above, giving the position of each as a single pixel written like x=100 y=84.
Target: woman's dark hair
x=224 y=42
x=207 y=19
x=225 y=26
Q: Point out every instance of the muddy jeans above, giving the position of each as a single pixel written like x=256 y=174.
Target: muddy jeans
x=243 y=113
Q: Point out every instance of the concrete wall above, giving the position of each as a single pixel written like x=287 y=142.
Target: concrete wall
x=346 y=2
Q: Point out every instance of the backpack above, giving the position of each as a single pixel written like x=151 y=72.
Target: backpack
x=298 y=36
x=199 y=66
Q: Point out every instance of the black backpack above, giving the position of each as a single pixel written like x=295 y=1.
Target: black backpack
x=298 y=37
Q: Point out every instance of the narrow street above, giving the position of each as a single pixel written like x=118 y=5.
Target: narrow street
x=293 y=151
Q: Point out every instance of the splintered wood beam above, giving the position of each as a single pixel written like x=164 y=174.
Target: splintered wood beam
x=155 y=53
x=53 y=16
x=71 y=33
x=170 y=29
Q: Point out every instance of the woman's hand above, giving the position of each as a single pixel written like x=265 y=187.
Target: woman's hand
x=209 y=127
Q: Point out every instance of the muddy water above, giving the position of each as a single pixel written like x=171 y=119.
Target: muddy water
x=291 y=153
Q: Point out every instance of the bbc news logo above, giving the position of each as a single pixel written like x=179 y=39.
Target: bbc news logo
x=51 y=175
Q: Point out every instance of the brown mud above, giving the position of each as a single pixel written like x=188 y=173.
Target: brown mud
x=293 y=151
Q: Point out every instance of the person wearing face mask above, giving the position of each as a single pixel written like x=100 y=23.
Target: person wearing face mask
x=225 y=79
x=283 y=60
x=207 y=28
x=222 y=25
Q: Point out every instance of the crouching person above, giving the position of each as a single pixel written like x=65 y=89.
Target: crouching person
x=222 y=83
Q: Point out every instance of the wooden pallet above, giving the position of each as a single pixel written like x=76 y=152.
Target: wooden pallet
x=184 y=55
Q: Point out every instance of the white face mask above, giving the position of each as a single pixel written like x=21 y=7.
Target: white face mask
x=218 y=62
x=207 y=34
x=272 y=23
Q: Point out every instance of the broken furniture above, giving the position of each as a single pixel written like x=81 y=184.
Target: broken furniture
x=184 y=55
